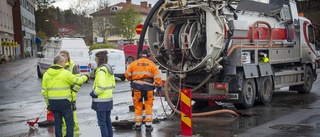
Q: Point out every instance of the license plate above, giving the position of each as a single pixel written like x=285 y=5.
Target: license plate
x=233 y=96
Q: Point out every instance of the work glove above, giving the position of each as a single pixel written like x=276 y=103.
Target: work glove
x=93 y=95
x=88 y=76
x=73 y=105
x=48 y=108
x=159 y=89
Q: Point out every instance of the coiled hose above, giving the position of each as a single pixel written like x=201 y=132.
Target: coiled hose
x=195 y=114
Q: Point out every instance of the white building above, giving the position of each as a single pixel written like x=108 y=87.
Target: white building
x=6 y=28
x=17 y=28
x=28 y=26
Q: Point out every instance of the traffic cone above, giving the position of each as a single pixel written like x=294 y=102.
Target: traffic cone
x=49 y=121
x=50 y=116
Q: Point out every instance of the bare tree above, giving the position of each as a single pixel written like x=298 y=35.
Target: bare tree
x=101 y=27
x=80 y=8
x=102 y=4
x=100 y=24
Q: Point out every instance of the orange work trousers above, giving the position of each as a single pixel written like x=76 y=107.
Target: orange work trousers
x=141 y=98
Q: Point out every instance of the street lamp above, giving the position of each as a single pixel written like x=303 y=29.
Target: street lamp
x=42 y=24
x=100 y=30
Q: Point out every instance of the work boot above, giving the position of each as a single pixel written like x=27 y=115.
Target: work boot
x=149 y=128
x=136 y=127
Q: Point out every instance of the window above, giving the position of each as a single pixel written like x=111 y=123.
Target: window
x=115 y=8
x=11 y=22
x=6 y=20
x=311 y=34
x=1 y=18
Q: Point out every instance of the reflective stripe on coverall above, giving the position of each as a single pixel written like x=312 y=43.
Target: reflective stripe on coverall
x=144 y=75
x=70 y=66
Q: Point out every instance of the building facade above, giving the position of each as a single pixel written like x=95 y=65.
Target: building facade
x=101 y=21
x=8 y=43
x=28 y=27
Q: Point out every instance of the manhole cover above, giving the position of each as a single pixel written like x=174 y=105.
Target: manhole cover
x=291 y=127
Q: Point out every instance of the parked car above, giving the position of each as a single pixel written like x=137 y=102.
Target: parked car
x=131 y=52
x=116 y=59
x=75 y=46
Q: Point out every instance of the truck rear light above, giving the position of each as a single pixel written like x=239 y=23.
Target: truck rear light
x=220 y=85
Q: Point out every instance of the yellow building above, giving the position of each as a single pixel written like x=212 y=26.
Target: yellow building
x=102 y=18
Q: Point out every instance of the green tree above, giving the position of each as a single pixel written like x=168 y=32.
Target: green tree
x=44 y=18
x=102 y=46
x=81 y=20
x=126 y=21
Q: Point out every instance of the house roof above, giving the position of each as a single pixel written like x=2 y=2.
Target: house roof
x=122 y=5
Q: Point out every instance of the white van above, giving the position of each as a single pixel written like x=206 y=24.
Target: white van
x=76 y=47
x=116 y=59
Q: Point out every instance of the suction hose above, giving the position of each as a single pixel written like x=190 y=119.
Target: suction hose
x=195 y=114
x=195 y=88
x=146 y=24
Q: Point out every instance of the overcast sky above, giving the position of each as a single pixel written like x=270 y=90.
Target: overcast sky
x=65 y=4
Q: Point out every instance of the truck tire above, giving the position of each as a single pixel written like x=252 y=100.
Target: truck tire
x=265 y=94
x=308 y=81
x=248 y=94
x=39 y=72
x=122 y=78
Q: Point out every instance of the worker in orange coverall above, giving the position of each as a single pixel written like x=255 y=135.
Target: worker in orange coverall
x=145 y=77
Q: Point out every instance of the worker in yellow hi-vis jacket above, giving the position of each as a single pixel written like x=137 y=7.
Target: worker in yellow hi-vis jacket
x=70 y=66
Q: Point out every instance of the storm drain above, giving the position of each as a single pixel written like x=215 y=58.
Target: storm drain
x=292 y=127
x=127 y=124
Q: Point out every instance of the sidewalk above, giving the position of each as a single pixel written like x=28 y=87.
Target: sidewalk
x=7 y=72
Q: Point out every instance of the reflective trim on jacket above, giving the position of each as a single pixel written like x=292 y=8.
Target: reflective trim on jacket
x=56 y=83
x=70 y=66
x=104 y=83
x=143 y=68
x=102 y=99
x=103 y=86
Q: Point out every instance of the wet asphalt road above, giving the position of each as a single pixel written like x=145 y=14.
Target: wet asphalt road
x=289 y=114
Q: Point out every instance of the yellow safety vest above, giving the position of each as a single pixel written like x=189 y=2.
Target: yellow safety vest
x=56 y=83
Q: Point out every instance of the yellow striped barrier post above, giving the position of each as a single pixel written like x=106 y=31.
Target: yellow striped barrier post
x=186 y=112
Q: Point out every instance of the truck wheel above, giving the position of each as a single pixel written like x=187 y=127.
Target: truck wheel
x=130 y=59
x=265 y=94
x=308 y=81
x=122 y=78
x=39 y=72
x=248 y=94
x=199 y=105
